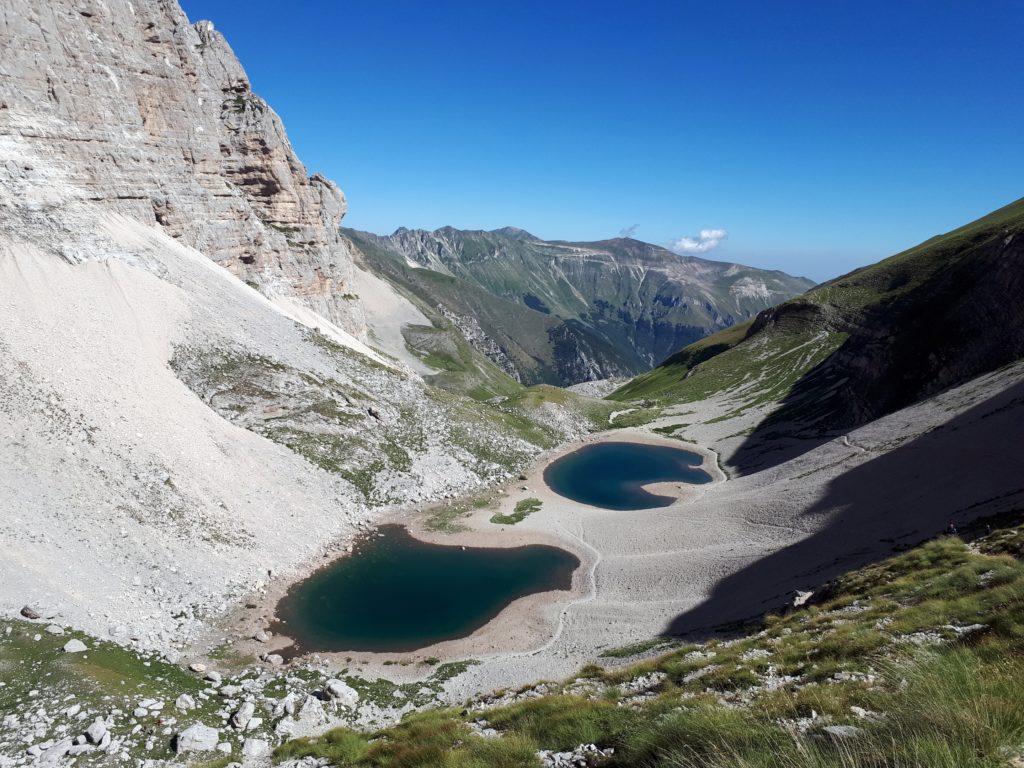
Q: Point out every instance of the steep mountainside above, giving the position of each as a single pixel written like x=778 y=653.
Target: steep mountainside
x=563 y=312
x=168 y=432
x=867 y=343
x=154 y=118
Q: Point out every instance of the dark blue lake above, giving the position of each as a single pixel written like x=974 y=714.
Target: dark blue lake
x=612 y=475
x=396 y=593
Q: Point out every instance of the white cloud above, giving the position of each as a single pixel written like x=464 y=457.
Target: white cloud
x=704 y=242
x=628 y=231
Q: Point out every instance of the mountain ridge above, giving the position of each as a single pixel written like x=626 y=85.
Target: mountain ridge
x=883 y=336
x=618 y=305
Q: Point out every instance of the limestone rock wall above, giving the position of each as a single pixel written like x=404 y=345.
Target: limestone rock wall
x=155 y=118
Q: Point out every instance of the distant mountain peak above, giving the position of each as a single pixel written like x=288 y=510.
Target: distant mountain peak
x=514 y=232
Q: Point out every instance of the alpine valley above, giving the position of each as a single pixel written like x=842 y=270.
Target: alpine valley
x=278 y=491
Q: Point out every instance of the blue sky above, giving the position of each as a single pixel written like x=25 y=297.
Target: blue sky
x=819 y=136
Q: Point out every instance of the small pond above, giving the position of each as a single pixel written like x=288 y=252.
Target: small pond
x=395 y=593
x=613 y=475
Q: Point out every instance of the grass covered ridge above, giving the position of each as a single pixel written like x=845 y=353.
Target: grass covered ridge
x=900 y=314
x=749 y=371
x=915 y=661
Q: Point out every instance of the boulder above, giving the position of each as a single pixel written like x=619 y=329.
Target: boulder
x=341 y=692
x=243 y=715
x=801 y=598
x=30 y=613
x=287 y=705
x=262 y=636
x=185 y=702
x=75 y=646
x=255 y=748
x=95 y=732
x=54 y=753
x=197 y=738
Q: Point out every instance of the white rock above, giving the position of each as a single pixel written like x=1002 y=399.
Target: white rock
x=197 y=738
x=197 y=667
x=287 y=706
x=241 y=717
x=75 y=646
x=341 y=692
x=57 y=751
x=185 y=702
x=224 y=747
x=255 y=748
x=95 y=732
x=53 y=629
x=801 y=598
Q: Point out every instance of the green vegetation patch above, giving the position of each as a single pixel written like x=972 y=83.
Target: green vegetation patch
x=36 y=673
x=522 y=510
x=635 y=649
x=758 y=370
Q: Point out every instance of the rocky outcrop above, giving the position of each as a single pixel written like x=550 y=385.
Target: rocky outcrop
x=154 y=117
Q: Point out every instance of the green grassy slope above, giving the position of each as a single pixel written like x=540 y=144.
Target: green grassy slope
x=872 y=341
x=915 y=661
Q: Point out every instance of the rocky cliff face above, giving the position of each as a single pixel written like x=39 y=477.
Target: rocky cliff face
x=154 y=117
x=168 y=433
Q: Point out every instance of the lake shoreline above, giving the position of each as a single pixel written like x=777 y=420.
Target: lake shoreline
x=525 y=627
x=397 y=594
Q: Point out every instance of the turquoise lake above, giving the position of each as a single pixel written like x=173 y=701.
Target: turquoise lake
x=612 y=475
x=395 y=593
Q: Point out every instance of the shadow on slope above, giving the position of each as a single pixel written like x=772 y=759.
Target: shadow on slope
x=963 y=320
x=967 y=468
